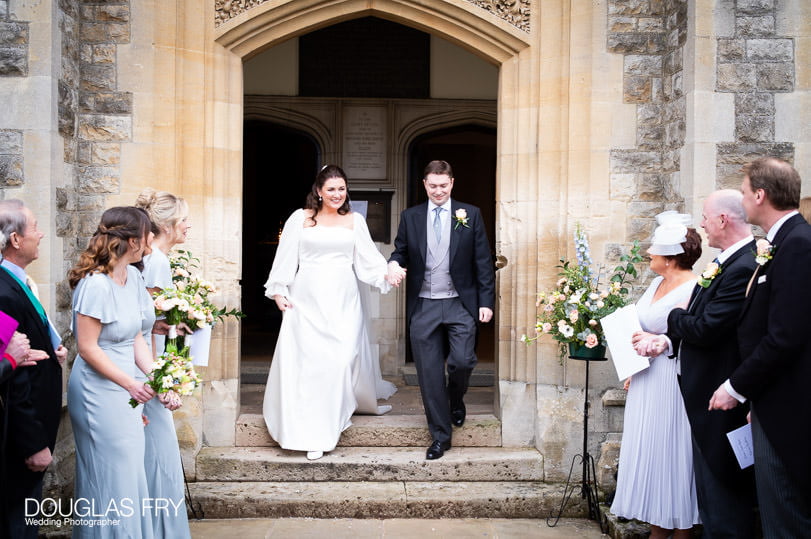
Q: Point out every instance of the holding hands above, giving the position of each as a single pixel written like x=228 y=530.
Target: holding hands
x=396 y=274
x=647 y=344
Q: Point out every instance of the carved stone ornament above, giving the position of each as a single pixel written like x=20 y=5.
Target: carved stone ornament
x=515 y=12
x=224 y=10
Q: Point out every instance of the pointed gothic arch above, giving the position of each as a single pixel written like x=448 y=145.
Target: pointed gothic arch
x=465 y=24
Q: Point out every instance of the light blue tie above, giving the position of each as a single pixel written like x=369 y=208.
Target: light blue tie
x=437 y=223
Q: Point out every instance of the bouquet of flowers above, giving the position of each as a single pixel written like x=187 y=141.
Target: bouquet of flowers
x=172 y=371
x=189 y=303
x=571 y=311
x=198 y=291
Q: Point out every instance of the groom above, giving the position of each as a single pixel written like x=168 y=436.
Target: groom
x=451 y=286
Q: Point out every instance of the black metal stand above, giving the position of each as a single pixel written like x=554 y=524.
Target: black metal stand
x=588 y=483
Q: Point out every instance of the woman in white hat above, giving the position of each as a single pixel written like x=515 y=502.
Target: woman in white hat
x=655 y=483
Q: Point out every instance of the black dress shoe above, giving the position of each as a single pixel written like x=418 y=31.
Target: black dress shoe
x=458 y=415
x=437 y=449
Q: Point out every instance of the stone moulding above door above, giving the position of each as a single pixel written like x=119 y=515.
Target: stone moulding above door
x=514 y=12
x=264 y=24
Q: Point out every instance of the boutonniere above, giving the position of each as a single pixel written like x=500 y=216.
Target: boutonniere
x=460 y=216
x=710 y=272
x=765 y=251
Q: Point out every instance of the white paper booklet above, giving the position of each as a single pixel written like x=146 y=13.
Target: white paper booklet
x=741 y=442
x=618 y=328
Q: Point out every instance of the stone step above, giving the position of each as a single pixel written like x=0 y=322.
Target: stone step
x=388 y=499
x=484 y=375
x=383 y=431
x=369 y=464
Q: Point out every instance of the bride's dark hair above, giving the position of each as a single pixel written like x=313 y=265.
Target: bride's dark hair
x=314 y=202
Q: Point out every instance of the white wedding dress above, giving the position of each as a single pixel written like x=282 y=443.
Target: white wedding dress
x=323 y=368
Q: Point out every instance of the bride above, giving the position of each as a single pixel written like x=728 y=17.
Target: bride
x=323 y=368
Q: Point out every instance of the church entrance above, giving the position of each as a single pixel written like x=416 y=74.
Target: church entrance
x=382 y=127
x=279 y=165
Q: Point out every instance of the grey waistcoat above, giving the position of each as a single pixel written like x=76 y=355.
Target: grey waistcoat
x=437 y=282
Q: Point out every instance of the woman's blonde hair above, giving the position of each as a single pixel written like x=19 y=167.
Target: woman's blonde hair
x=164 y=209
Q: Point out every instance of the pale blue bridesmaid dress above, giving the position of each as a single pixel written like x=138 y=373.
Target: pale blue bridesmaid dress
x=111 y=486
x=164 y=470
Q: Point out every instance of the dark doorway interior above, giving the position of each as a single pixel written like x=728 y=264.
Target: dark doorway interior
x=471 y=152
x=279 y=166
x=366 y=57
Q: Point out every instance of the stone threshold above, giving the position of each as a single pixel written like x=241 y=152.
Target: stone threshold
x=236 y=464
x=389 y=430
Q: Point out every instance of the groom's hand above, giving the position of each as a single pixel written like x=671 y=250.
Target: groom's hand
x=395 y=274
x=485 y=314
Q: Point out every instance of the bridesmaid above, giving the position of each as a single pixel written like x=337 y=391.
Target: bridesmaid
x=164 y=469
x=111 y=308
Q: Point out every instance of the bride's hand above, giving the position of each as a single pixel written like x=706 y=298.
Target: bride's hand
x=282 y=302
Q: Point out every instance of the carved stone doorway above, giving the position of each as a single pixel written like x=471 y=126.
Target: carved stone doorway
x=278 y=169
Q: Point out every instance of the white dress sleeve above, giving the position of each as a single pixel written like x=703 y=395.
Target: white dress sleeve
x=285 y=264
x=370 y=265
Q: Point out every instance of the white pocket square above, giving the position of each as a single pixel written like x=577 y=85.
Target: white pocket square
x=761 y=279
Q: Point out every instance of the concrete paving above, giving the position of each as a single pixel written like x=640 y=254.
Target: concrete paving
x=305 y=528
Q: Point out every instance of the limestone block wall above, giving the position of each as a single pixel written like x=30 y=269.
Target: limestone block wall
x=755 y=62
x=651 y=37
x=11 y=157
x=95 y=117
x=14 y=44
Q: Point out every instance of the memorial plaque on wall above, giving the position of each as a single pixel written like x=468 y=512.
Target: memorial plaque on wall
x=364 y=142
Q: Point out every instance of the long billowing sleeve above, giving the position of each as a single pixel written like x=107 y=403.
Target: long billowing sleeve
x=285 y=265
x=370 y=265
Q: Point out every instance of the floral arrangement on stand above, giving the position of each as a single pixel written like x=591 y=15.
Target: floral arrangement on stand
x=571 y=311
x=190 y=303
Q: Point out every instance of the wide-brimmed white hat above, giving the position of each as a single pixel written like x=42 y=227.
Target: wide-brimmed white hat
x=670 y=234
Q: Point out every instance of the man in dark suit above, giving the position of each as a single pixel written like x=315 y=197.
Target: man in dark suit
x=34 y=402
x=776 y=350
x=451 y=286
x=704 y=340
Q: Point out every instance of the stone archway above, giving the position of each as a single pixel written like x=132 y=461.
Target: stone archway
x=247 y=28
x=265 y=24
